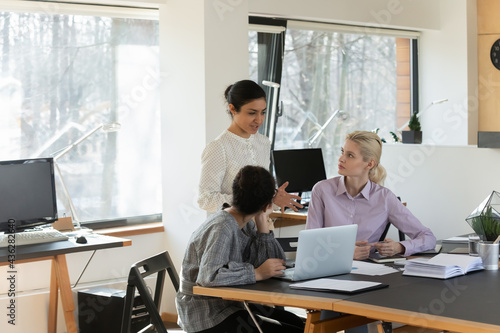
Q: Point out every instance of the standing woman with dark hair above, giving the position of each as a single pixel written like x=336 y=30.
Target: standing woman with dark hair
x=239 y=145
x=234 y=247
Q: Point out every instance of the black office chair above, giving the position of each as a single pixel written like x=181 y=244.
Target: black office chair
x=287 y=243
x=159 y=264
x=401 y=234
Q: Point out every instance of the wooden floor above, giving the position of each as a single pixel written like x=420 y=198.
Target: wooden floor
x=169 y=325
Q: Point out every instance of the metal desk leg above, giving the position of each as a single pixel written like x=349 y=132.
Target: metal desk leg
x=384 y=327
x=252 y=316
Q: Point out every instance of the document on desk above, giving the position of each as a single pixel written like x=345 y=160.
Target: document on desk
x=456 y=240
x=338 y=286
x=366 y=268
x=443 y=266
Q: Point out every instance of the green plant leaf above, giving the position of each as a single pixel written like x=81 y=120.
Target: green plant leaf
x=414 y=123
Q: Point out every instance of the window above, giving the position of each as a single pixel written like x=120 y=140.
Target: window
x=266 y=43
x=337 y=79
x=64 y=72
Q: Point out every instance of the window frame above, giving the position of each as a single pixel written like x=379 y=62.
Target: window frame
x=413 y=36
x=271 y=35
x=115 y=9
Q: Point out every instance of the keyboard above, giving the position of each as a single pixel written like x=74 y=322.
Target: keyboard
x=287 y=274
x=33 y=237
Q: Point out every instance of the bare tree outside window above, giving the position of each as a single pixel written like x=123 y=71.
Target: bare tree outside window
x=63 y=75
x=327 y=71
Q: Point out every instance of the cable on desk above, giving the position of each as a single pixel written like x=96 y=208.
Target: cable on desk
x=84 y=268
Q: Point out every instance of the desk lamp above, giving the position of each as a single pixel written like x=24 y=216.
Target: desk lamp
x=111 y=127
x=341 y=113
x=439 y=101
x=273 y=115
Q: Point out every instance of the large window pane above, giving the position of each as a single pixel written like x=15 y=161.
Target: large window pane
x=337 y=81
x=64 y=75
x=253 y=56
x=328 y=71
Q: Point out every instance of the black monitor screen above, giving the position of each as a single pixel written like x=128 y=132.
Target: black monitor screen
x=27 y=193
x=302 y=168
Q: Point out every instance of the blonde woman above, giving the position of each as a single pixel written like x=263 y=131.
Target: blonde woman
x=358 y=197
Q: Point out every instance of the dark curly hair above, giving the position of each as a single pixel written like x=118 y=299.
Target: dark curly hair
x=243 y=92
x=253 y=189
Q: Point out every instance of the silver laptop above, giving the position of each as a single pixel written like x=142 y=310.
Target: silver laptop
x=323 y=252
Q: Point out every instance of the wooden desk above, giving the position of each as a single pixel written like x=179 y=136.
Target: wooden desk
x=463 y=304
x=277 y=292
x=288 y=219
x=59 y=277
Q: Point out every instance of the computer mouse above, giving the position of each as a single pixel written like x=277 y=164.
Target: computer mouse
x=81 y=240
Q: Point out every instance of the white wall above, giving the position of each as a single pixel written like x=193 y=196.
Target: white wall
x=136 y=3
x=108 y=267
x=204 y=48
x=422 y=14
x=442 y=185
x=445 y=60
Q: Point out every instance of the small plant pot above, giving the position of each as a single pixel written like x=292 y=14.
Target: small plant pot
x=412 y=136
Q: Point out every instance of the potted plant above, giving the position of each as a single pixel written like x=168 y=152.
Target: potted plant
x=485 y=219
x=414 y=135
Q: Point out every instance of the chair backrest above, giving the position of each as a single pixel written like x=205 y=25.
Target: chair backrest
x=158 y=264
x=401 y=234
x=288 y=244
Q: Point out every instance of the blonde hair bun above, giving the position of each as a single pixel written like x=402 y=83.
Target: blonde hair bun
x=370 y=146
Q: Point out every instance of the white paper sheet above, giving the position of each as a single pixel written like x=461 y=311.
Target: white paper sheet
x=334 y=285
x=366 y=268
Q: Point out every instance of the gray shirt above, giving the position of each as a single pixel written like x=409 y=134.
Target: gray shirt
x=219 y=253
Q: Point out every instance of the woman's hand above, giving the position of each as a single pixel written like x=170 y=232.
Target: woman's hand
x=389 y=247
x=284 y=199
x=261 y=220
x=362 y=250
x=270 y=268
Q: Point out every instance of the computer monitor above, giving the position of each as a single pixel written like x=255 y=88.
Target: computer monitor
x=302 y=168
x=27 y=193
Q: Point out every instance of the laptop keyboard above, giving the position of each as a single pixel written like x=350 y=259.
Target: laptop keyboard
x=288 y=273
x=289 y=263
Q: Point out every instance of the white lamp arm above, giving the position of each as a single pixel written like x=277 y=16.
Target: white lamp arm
x=77 y=142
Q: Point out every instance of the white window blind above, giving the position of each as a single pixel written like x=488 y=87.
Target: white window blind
x=306 y=25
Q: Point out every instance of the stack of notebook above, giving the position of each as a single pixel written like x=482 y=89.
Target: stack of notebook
x=443 y=266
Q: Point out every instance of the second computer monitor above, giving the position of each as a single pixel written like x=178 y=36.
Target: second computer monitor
x=302 y=168
x=27 y=193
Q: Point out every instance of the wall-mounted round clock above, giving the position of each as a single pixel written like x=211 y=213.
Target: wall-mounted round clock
x=495 y=54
